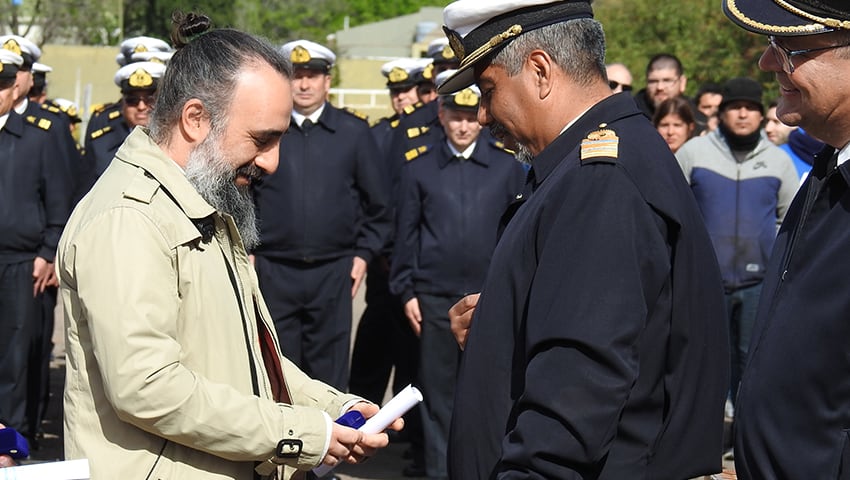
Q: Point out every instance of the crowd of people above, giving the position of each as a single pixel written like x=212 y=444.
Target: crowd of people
x=582 y=280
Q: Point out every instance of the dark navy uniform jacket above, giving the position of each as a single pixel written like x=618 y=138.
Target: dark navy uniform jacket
x=420 y=127
x=36 y=188
x=792 y=416
x=598 y=348
x=448 y=217
x=383 y=132
x=61 y=135
x=104 y=134
x=329 y=195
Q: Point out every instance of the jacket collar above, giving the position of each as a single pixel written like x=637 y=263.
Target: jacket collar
x=478 y=156
x=608 y=111
x=141 y=151
x=14 y=124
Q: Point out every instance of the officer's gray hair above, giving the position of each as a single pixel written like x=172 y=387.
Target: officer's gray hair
x=206 y=68
x=577 y=46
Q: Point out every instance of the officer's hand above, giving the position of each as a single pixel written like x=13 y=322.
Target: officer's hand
x=460 y=316
x=41 y=273
x=358 y=271
x=414 y=316
x=6 y=460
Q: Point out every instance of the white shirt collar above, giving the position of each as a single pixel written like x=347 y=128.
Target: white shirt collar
x=3 y=120
x=314 y=117
x=465 y=154
x=22 y=107
x=844 y=154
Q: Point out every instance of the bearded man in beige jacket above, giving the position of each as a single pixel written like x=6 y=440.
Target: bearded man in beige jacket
x=173 y=366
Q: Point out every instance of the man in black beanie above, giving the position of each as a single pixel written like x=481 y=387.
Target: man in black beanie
x=743 y=185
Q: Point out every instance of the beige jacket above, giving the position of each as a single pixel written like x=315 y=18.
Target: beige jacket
x=165 y=378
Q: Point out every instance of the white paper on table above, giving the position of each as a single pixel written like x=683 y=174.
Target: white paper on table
x=395 y=408
x=68 y=470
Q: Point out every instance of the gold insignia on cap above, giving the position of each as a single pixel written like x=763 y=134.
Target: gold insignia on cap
x=485 y=49
x=299 y=55
x=447 y=53
x=140 y=48
x=455 y=42
x=600 y=143
x=140 y=79
x=428 y=73
x=466 y=98
x=12 y=46
x=397 y=74
x=71 y=110
x=783 y=29
x=156 y=60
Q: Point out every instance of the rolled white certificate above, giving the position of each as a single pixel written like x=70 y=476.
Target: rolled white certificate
x=396 y=407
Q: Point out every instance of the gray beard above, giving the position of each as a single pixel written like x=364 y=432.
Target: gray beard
x=214 y=179
x=523 y=154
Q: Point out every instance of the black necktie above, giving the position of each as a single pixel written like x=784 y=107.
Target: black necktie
x=306 y=125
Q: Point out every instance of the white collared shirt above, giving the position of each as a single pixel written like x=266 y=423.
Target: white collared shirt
x=465 y=154
x=314 y=117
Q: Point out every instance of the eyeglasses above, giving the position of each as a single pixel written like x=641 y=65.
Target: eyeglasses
x=783 y=55
x=135 y=100
x=613 y=84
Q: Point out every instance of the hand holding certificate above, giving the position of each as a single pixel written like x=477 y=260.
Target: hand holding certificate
x=406 y=399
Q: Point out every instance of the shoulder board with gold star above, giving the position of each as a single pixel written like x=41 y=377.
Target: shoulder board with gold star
x=411 y=108
x=415 y=152
x=416 y=131
x=114 y=115
x=50 y=108
x=99 y=132
x=500 y=145
x=600 y=146
x=41 y=123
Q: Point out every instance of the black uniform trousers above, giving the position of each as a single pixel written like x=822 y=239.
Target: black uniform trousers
x=19 y=313
x=41 y=348
x=438 y=364
x=311 y=307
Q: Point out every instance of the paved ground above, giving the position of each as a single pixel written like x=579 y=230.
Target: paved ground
x=386 y=465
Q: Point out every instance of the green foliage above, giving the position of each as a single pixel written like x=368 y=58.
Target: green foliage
x=711 y=48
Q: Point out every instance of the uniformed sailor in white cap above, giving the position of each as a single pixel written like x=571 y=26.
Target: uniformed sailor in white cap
x=30 y=53
x=38 y=91
x=140 y=44
x=403 y=75
x=442 y=54
x=138 y=83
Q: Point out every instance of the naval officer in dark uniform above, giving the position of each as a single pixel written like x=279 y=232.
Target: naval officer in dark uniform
x=138 y=82
x=323 y=216
x=57 y=128
x=452 y=196
x=36 y=187
x=597 y=347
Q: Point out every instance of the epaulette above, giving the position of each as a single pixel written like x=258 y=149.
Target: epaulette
x=411 y=108
x=600 y=146
x=99 y=132
x=414 y=132
x=415 y=152
x=41 y=123
x=100 y=108
x=50 y=108
x=114 y=115
x=394 y=123
x=500 y=145
x=360 y=115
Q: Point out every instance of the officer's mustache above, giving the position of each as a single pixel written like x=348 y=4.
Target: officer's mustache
x=249 y=171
